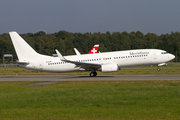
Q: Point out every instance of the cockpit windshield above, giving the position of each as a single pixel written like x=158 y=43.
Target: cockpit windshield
x=163 y=52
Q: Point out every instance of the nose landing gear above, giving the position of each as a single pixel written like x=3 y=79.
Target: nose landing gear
x=93 y=74
x=158 y=69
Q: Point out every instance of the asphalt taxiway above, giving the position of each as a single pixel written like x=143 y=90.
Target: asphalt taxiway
x=59 y=78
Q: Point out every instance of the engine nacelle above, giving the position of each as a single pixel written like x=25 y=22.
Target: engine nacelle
x=162 y=64
x=109 y=68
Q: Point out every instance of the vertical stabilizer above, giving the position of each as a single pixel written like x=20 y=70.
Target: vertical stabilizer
x=23 y=50
x=94 y=49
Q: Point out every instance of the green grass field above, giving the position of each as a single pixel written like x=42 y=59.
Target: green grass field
x=134 y=100
x=101 y=100
x=170 y=69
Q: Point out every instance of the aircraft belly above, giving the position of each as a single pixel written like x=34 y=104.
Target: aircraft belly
x=134 y=62
x=159 y=60
x=60 y=68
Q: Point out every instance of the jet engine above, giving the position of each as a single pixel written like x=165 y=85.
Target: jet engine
x=109 y=67
x=162 y=64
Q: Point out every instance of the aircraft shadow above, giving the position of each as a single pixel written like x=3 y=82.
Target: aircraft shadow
x=74 y=77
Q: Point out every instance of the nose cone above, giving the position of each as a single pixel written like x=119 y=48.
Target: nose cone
x=171 y=56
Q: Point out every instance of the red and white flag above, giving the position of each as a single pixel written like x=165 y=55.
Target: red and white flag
x=94 y=49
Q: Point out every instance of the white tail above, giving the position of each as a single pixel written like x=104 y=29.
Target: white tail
x=23 y=50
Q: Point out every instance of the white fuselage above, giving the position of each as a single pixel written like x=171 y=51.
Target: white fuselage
x=106 y=62
x=125 y=58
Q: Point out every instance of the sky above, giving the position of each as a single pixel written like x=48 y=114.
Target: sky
x=146 y=16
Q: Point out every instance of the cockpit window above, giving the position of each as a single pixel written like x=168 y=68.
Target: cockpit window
x=163 y=52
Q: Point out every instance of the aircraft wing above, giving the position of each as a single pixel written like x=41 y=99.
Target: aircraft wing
x=81 y=65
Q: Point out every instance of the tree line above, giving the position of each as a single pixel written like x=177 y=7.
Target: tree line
x=65 y=42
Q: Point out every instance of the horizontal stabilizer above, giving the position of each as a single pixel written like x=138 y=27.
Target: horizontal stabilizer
x=22 y=62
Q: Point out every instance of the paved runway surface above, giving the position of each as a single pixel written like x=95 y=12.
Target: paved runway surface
x=59 y=78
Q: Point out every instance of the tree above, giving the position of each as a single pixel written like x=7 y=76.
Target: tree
x=65 y=42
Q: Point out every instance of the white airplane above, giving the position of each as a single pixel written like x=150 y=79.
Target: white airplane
x=106 y=61
x=92 y=51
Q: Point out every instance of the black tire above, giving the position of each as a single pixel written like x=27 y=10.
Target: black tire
x=95 y=73
x=91 y=74
x=158 y=69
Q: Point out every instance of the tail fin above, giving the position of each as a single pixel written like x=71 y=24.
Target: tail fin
x=94 y=49
x=23 y=50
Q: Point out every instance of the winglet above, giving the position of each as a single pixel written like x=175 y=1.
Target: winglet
x=60 y=56
x=77 y=52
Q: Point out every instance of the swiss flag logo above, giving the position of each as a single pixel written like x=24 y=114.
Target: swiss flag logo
x=94 y=49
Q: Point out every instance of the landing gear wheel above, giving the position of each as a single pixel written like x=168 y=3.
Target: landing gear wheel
x=93 y=74
x=158 y=69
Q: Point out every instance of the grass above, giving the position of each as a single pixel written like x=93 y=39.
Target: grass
x=102 y=100
x=170 y=69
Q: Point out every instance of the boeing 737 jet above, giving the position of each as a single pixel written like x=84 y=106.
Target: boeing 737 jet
x=105 y=62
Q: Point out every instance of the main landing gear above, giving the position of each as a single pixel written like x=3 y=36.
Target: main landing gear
x=93 y=74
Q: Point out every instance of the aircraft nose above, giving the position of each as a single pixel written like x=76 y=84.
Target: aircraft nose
x=171 y=56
